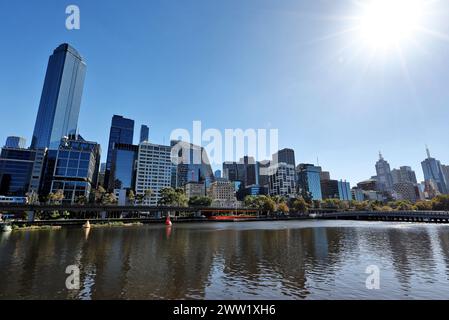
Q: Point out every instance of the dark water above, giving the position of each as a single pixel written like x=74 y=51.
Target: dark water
x=254 y=260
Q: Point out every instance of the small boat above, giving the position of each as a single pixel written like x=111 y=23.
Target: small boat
x=313 y=215
x=86 y=225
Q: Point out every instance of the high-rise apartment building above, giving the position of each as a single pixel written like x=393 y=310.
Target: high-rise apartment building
x=281 y=180
x=154 y=170
x=61 y=98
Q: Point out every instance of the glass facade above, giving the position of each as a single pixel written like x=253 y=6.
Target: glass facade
x=61 y=98
x=433 y=170
x=123 y=170
x=344 y=190
x=144 y=133
x=15 y=142
x=76 y=169
x=309 y=180
x=122 y=131
x=16 y=167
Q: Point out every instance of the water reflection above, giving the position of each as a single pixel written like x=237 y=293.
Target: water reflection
x=282 y=260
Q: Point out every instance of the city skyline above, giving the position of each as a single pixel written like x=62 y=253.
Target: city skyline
x=424 y=123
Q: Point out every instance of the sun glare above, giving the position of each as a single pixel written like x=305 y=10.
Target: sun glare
x=388 y=23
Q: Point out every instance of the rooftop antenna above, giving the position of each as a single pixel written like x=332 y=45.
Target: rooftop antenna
x=317 y=161
x=380 y=155
x=428 y=151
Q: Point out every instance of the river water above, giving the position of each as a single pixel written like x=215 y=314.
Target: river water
x=245 y=260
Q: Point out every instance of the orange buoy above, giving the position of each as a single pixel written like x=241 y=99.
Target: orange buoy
x=167 y=221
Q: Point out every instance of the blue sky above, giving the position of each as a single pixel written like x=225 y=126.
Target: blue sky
x=238 y=64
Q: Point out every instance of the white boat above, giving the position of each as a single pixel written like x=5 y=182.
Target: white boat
x=313 y=215
x=86 y=225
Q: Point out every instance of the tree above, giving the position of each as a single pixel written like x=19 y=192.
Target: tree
x=147 y=194
x=269 y=205
x=173 y=197
x=401 y=205
x=32 y=197
x=99 y=194
x=441 y=202
x=200 y=201
x=109 y=198
x=424 y=205
x=131 y=197
x=250 y=202
x=300 y=205
x=56 y=198
x=81 y=200
x=139 y=198
x=283 y=208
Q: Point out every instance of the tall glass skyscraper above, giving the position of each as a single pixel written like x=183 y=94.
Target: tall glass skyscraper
x=144 y=133
x=61 y=98
x=433 y=170
x=122 y=131
x=309 y=180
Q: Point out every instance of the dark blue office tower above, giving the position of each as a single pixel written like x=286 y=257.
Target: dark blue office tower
x=61 y=98
x=122 y=131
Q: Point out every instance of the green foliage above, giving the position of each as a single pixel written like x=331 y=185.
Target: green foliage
x=200 y=201
x=424 y=205
x=401 y=205
x=55 y=215
x=282 y=207
x=441 y=202
x=173 y=197
x=32 y=197
x=300 y=205
x=81 y=200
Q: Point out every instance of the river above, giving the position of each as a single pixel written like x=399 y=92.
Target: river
x=246 y=260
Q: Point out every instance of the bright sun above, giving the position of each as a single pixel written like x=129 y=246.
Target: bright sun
x=388 y=23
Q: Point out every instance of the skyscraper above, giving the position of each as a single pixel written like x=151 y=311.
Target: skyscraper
x=309 y=180
x=433 y=170
x=122 y=131
x=403 y=174
x=144 y=133
x=446 y=174
x=61 y=98
x=15 y=142
x=154 y=170
x=192 y=164
x=384 y=178
x=281 y=180
x=285 y=156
